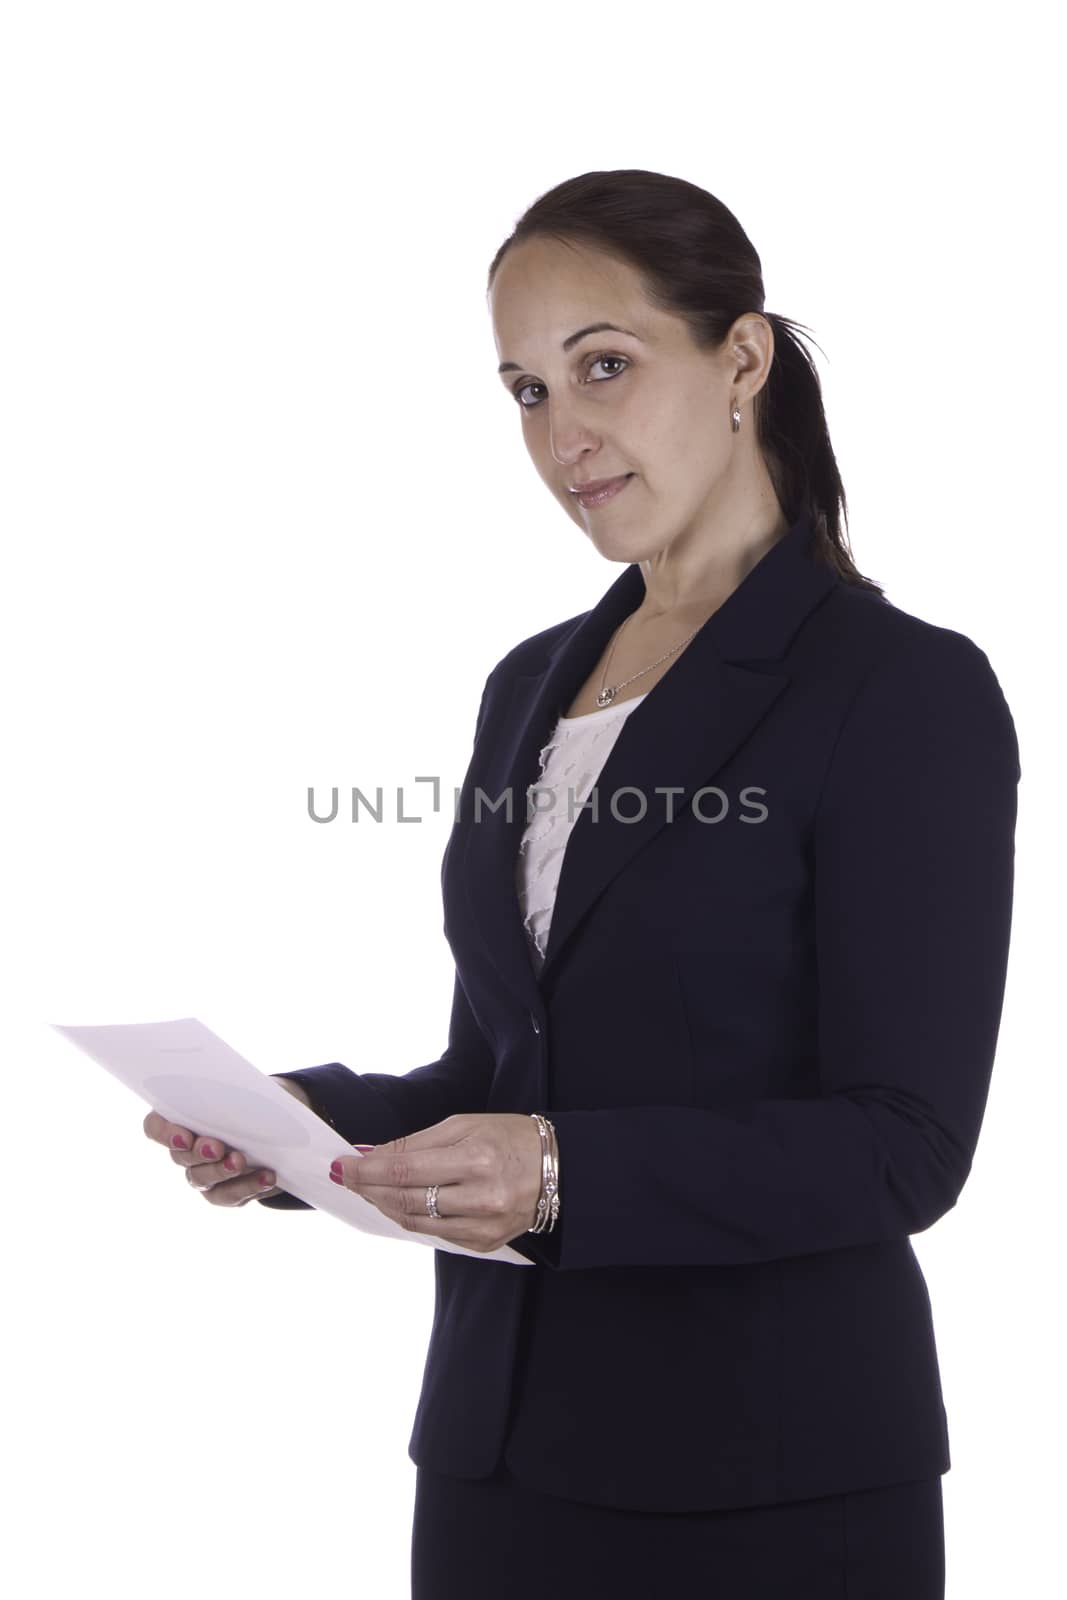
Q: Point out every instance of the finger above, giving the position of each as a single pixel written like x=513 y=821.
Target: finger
x=239 y=1191
x=211 y=1162
x=157 y=1128
x=401 y=1169
x=454 y=1200
x=185 y=1146
x=206 y=1151
x=406 y=1160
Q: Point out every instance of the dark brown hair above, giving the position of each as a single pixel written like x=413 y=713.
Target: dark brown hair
x=697 y=262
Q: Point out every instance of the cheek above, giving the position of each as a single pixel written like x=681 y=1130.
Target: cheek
x=667 y=437
x=696 y=452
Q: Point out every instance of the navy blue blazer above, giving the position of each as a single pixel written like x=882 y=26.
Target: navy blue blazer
x=764 y=1030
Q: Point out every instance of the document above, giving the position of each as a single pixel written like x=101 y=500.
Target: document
x=191 y=1076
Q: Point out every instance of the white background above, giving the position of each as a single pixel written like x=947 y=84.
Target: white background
x=268 y=522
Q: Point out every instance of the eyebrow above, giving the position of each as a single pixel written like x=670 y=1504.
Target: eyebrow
x=571 y=340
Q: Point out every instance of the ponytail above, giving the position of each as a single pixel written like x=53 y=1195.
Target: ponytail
x=795 y=440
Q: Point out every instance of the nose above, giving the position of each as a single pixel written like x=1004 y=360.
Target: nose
x=569 y=439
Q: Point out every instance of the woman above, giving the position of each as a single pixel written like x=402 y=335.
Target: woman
x=748 y=1029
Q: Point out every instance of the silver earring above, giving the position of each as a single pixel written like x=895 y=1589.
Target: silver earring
x=735 y=417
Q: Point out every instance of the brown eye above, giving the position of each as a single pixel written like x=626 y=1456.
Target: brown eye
x=599 y=359
x=520 y=392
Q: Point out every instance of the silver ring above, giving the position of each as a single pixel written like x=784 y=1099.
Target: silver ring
x=431 y=1200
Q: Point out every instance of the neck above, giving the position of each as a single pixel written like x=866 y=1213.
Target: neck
x=699 y=569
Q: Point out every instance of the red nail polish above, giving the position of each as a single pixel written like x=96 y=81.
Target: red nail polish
x=364 y=1147
x=335 y=1177
x=179 y=1142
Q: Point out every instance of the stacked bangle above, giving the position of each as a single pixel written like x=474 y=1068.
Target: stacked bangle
x=548 y=1203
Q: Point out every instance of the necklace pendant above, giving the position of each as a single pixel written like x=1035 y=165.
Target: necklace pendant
x=605 y=697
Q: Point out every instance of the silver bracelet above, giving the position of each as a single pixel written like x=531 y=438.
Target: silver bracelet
x=548 y=1202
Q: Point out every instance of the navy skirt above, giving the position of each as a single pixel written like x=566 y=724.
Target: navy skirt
x=484 y=1538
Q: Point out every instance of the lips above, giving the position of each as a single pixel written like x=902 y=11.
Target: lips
x=591 y=498
x=595 y=485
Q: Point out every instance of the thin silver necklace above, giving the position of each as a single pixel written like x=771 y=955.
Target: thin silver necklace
x=607 y=695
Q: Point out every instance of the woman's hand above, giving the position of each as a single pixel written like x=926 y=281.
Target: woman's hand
x=222 y=1175
x=487 y=1166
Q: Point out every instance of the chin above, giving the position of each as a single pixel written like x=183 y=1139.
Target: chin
x=622 y=545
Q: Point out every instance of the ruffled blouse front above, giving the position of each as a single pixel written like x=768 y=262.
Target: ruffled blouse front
x=570 y=762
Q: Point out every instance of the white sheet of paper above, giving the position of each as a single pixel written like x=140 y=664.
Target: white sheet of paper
x=192 y=1077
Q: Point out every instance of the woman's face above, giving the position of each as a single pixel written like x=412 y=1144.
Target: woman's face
x=645 y=401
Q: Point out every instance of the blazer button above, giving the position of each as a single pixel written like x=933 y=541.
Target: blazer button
x=535 y=1025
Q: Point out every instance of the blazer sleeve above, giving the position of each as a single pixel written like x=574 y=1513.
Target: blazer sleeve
x=376 y=1107
x=913 y=863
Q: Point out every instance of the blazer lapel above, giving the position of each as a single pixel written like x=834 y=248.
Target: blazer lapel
x=692 y=721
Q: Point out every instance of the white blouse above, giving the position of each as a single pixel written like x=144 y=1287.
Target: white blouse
x=570 y=763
